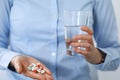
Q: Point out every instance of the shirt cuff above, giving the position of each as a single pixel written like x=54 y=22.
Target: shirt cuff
x=111 y=61
x=7 y=57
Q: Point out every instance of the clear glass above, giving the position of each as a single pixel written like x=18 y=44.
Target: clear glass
x=73 y=21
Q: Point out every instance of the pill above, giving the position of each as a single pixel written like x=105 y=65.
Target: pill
x=38 y=64
x=38 y=70
x=42 y=72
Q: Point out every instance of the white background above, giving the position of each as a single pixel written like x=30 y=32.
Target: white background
x=113 y=75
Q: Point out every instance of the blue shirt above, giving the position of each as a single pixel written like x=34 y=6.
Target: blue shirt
x=35 y=28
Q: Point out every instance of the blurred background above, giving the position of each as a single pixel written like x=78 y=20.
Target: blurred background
x=113 y=75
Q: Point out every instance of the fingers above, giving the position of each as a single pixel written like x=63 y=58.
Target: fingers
x=83 y=37
x=80 y=51
x=34 y=75
x=48 y=77
x=36 y=72
x=87 y=29
x=22 y=64
x=41 y=65
x=37 y=76
x=77 y=44
x=81 y=47
x=45 y=68
x=47 y=71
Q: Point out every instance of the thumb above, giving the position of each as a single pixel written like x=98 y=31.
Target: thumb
x=19 y=68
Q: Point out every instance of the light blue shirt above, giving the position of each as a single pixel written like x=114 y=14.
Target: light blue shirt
x=35 y=28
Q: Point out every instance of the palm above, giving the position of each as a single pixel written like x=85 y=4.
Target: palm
x=21 y=64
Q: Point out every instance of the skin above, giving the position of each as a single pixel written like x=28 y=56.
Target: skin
x=91 y=54
x=20 y=63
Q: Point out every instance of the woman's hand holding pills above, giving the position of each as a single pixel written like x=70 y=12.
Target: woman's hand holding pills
x=31 y=67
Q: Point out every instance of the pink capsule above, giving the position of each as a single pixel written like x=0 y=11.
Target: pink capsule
x=41 y=68
x=38 y=65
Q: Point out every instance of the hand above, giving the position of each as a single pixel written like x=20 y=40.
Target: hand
x=91 y=54
x=21 y=63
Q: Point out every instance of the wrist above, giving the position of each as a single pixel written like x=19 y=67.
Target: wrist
x=103 y=56
x=11 y=67
x=96 y=57
x=11 y=64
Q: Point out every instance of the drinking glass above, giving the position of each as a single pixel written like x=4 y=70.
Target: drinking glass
x=73 y=21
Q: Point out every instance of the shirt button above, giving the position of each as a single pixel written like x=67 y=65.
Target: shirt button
x=53 y=54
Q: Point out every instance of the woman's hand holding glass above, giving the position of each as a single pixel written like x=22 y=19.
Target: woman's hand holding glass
x=83 y=44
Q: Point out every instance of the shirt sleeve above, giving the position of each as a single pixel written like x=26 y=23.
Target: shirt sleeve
x=105 y=34
x=5 y=54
